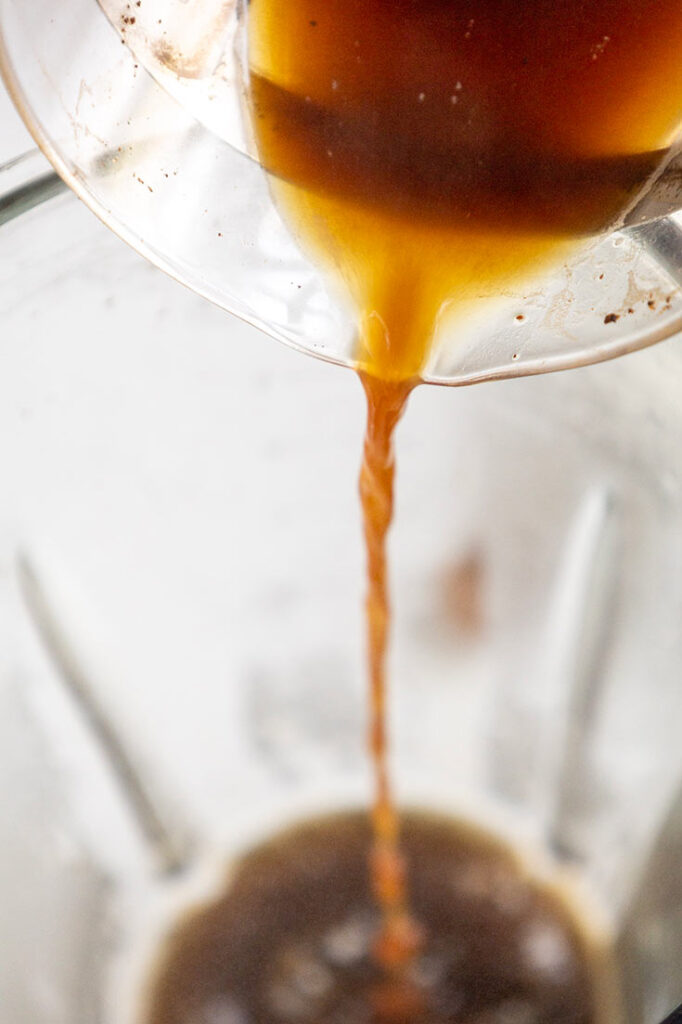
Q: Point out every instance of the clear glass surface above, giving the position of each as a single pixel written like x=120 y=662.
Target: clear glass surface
x=180 y=592
x=151 y=135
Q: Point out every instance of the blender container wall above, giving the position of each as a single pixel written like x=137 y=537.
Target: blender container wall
x=181 y=581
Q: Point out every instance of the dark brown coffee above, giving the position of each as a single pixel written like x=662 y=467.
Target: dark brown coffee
x=290 y=939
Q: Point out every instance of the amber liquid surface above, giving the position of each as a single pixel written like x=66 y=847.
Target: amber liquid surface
x=291 y=938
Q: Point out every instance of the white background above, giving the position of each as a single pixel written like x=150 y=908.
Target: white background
x=14 y=138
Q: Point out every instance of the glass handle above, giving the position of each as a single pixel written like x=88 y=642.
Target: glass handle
x=25 y=182
x=663 y=239
x=663 y=197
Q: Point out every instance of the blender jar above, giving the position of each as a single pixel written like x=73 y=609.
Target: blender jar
x=181 y=573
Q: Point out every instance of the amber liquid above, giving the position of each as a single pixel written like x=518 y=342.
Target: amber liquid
x=431 y=152
x=290 y=940
x=399 y=935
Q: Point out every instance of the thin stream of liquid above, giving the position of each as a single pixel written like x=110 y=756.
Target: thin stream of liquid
x=399 y=935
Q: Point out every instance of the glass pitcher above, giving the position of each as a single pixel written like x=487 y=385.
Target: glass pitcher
x=142 y=113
